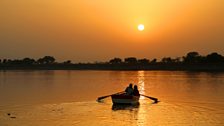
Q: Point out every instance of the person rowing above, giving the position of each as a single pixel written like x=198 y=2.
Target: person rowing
x=129 y=90
x=135 y=91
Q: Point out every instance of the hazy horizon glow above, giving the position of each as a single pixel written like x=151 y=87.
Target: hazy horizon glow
x=88 y=31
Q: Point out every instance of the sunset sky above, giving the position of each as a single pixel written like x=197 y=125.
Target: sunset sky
x=98 y=30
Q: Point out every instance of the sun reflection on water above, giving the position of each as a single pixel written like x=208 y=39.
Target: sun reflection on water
x=141 y=82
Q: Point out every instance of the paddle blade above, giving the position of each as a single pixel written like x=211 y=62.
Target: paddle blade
x=152 y=98
x=100 y=98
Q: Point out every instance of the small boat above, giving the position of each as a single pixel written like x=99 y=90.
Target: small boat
x=123 y=98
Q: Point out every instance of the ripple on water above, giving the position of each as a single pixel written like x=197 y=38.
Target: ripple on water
x=94 y=113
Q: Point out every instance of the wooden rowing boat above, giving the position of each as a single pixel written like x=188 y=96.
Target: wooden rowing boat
x=123 y=98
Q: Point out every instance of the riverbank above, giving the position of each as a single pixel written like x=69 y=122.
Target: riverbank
x=156 y=66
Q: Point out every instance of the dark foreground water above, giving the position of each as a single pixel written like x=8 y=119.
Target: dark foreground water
x=68 y=98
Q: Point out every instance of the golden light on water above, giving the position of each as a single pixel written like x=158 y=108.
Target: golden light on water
x=67 y=105
x=141 y=83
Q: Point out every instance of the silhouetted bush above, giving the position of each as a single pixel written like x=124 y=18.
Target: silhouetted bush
x=130 y=60
x=46 y=60
x=154 y=61
x=192 y=61
x=28 y=61
x=214 y=58
x=67 y=62
x=192 y=58
x=115 y=61
x=143 y=61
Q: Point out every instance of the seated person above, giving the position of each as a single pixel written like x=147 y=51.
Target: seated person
x=129 y=90
x=135 y=91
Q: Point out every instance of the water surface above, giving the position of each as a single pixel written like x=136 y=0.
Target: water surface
x=68 y=98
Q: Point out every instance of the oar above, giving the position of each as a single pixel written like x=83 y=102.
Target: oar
x=154 y=99
x=102 y=97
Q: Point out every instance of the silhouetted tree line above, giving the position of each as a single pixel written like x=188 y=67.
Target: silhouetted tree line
x=192 y=60
x=46 y=60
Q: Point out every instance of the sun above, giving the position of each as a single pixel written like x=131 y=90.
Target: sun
x=141 y=27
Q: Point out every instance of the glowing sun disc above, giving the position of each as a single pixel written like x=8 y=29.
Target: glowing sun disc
x=141 y=27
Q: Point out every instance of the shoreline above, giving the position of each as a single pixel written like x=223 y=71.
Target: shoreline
x=120 y=67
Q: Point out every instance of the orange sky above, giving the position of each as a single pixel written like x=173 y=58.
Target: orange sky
x=88 y=31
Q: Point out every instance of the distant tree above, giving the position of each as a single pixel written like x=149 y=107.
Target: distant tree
x=177 y=60
x=154 y=61
x=9 y=61
x=67 y=62
x=4 y=61
x=15 y=62
x=192 y=57
x=130 y=60
x=143 y=61
x=46 y=60
x=115 y=61
x=28 y=61
x=40 y=61
x=167 y=60
x=214 y=58
x=170 y=60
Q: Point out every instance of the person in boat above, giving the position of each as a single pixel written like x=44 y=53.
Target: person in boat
x=135 y=91
x=129 y=90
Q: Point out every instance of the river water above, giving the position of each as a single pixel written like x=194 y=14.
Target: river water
x=68 y=98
